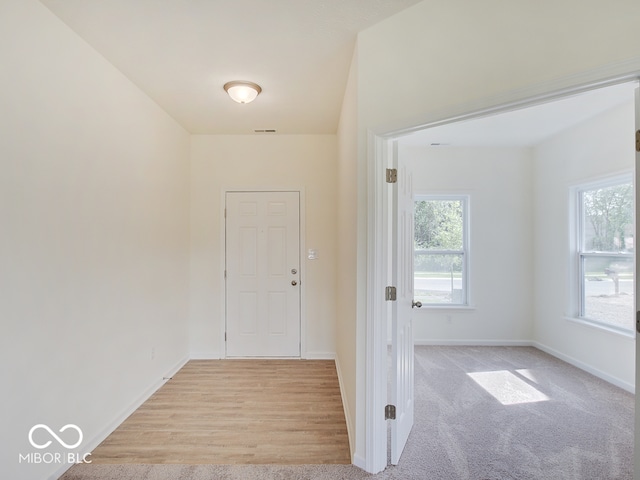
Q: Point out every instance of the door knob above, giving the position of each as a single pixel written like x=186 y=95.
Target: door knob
x=415 y=304
x=294 y=283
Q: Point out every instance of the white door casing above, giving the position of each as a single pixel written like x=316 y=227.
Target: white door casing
x=262 y=274
x=402 y=358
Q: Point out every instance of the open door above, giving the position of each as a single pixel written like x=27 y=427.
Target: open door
x=402 y=374
x=636 y=470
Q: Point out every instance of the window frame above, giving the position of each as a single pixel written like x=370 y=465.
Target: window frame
x=582 y=254
x=464 y=252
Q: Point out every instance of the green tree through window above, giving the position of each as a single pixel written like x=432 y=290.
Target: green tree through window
x=606 y=252
x=438 y=225
x=609 y=217
x=440 y=250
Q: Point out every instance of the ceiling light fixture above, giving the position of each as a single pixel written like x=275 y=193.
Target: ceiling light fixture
x=242 y=92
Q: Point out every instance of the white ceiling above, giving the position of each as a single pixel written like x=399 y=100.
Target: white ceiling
x=524 y=127
x=181 y=53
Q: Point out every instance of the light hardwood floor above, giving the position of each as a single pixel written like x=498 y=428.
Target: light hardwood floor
x=237 y=412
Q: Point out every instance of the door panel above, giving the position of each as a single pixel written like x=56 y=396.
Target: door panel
x=262 y=292
x=248 y=307
x=277 y=313
x=402 y=362
x=248 y=251
x=276 y=248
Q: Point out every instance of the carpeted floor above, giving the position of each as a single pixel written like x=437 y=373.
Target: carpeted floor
x=482 y=413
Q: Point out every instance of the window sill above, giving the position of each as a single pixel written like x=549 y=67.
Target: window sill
x=630 y=334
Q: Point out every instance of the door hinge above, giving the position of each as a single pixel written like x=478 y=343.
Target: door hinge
x=637 y=140
x=390 y=412
x=225 y=274
x=390 y=294
x=225 y=336
x=392 y=175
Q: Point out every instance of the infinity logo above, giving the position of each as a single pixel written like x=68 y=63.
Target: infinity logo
x=58 y=439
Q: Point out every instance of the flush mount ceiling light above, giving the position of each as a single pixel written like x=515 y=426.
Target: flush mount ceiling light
x=242 y=92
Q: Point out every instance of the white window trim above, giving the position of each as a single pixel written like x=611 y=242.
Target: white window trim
x=577 y=236
x=466 y=262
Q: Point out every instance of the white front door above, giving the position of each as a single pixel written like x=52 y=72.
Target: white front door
x=263 y=274
x=402 y=389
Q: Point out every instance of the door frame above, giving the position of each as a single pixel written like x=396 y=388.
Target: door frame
x=379 y=154
x=303 y=269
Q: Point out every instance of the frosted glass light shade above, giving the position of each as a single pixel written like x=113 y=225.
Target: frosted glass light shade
x=242 y=92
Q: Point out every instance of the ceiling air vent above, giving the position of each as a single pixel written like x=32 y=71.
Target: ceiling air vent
x=265 y=130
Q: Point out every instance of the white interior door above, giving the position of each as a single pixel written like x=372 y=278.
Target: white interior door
x=402 y=374
x=263 y=274
x=636 y=470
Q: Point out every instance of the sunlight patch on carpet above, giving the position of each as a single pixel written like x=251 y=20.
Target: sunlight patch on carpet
x=528 y=374
x=507 y=388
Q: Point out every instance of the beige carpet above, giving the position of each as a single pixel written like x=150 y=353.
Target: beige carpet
x=547 y=421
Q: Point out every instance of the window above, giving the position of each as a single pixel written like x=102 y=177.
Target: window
x=441 y=256
x=606 y=252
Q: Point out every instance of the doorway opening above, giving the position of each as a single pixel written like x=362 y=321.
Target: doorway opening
x=511 y=129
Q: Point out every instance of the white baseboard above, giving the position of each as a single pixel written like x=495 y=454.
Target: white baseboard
x=115 y=423
x=60 y=471
x=475 y=343
x=205 y=356
x=587 y=368
x=108 y=430
x=320 y=356
x=308 y=356
x=176 y=368
x=528 y=343
x=359 y=462
x=347 y=415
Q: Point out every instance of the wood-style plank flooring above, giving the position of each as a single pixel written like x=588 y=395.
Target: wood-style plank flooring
x=237 y=412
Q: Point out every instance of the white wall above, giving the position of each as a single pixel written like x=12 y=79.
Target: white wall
x=305 y=162
x=95 y=237
x=498 y=181
x=347 y=338
x=443 y=55
x=599 y=147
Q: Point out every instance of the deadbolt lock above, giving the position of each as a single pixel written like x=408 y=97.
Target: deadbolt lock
x=294 y=271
